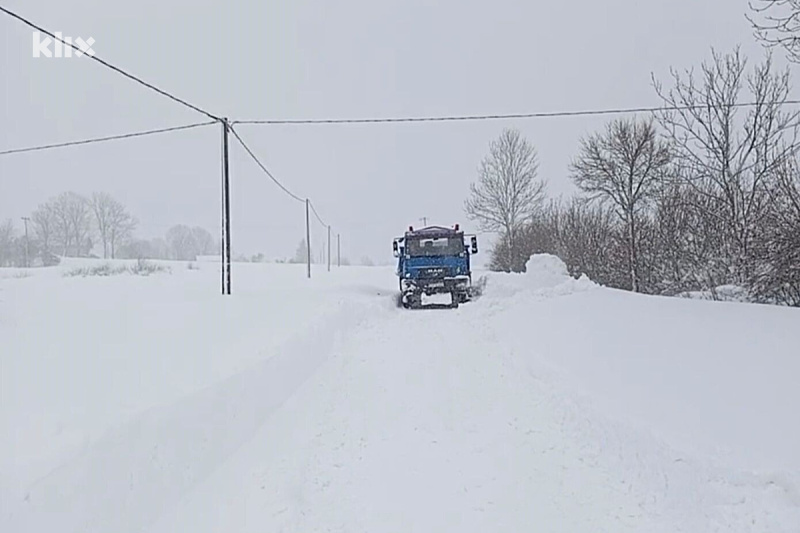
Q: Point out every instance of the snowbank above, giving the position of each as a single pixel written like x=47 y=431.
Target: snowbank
x=153 y=404
x=545 y=270
x=545 y=276
x=714 y=378
x=84 y=357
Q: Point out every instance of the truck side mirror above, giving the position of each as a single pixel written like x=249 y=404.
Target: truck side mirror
x=395 y=249
x=474 y=245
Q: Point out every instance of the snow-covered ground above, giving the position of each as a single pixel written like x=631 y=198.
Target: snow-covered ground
x=154 y=404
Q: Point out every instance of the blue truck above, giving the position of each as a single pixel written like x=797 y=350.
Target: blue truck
x=434 y=262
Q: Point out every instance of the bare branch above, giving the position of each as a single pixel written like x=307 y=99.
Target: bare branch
x=730 y=158
x=776 y=24
x=624 y=166
x=508 y=193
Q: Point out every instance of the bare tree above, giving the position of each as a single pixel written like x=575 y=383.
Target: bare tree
x=136 y=249
x=62 y=230
x=73 y=217
x=44 y=220
x=114 y=223
x=144 y=249
x=301 y=253
x=587 y=237
x=121 y=228
x=684 y=243
x=101 y=207
x=535 y=237
x=159 y=248
x=6 y=242
x=726 y=155
x=508 y=192
x=204 y=242
x=777 y=278
x=777 y=24
x=624 y=166
x=182 y=243
x=186 y=243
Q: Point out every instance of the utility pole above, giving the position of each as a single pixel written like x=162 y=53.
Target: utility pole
x=27 y=249
x=226 y=212
x=222 y=211
x=424 y=221
x=338 y=250
x=329 y=248
x=308 y=242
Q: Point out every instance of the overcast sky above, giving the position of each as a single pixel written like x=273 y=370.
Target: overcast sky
x=315 y=59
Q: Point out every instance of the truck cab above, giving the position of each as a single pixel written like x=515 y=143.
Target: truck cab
x=434 y=260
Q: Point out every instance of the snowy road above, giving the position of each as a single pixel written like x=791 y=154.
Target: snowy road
x=373 y=418
x=406 y=429
x=408 y=432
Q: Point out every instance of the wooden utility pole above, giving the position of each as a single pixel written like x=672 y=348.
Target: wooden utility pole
x=338 y=250
x=226 y=212
x=27 y=246
x=308 y=241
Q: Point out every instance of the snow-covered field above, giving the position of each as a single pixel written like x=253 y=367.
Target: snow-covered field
x=154 y=404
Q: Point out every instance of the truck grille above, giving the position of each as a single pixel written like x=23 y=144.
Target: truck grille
x=433 y=272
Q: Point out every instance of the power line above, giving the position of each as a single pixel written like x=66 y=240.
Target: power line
x=454 y=118
x=104 y=139
x=109 y=65
x=277 y=182
x=314 y=210
x=260 y=164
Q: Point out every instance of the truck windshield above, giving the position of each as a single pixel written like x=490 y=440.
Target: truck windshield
x=432 y=246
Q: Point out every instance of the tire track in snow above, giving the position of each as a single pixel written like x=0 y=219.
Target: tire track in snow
x=417 y=423
x=124 y=481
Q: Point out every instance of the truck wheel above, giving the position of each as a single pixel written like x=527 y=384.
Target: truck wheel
x=412 y=300
x=455 y=299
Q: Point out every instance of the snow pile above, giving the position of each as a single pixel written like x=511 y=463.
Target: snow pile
x=545 y=276
x=545 y=271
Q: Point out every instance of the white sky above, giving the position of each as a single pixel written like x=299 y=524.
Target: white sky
x=306 y=59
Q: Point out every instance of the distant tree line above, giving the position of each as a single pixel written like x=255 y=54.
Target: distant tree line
x=68 y=225
x=700 y=197
x=72 y=225
x=301 y=256
x=180 y=243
